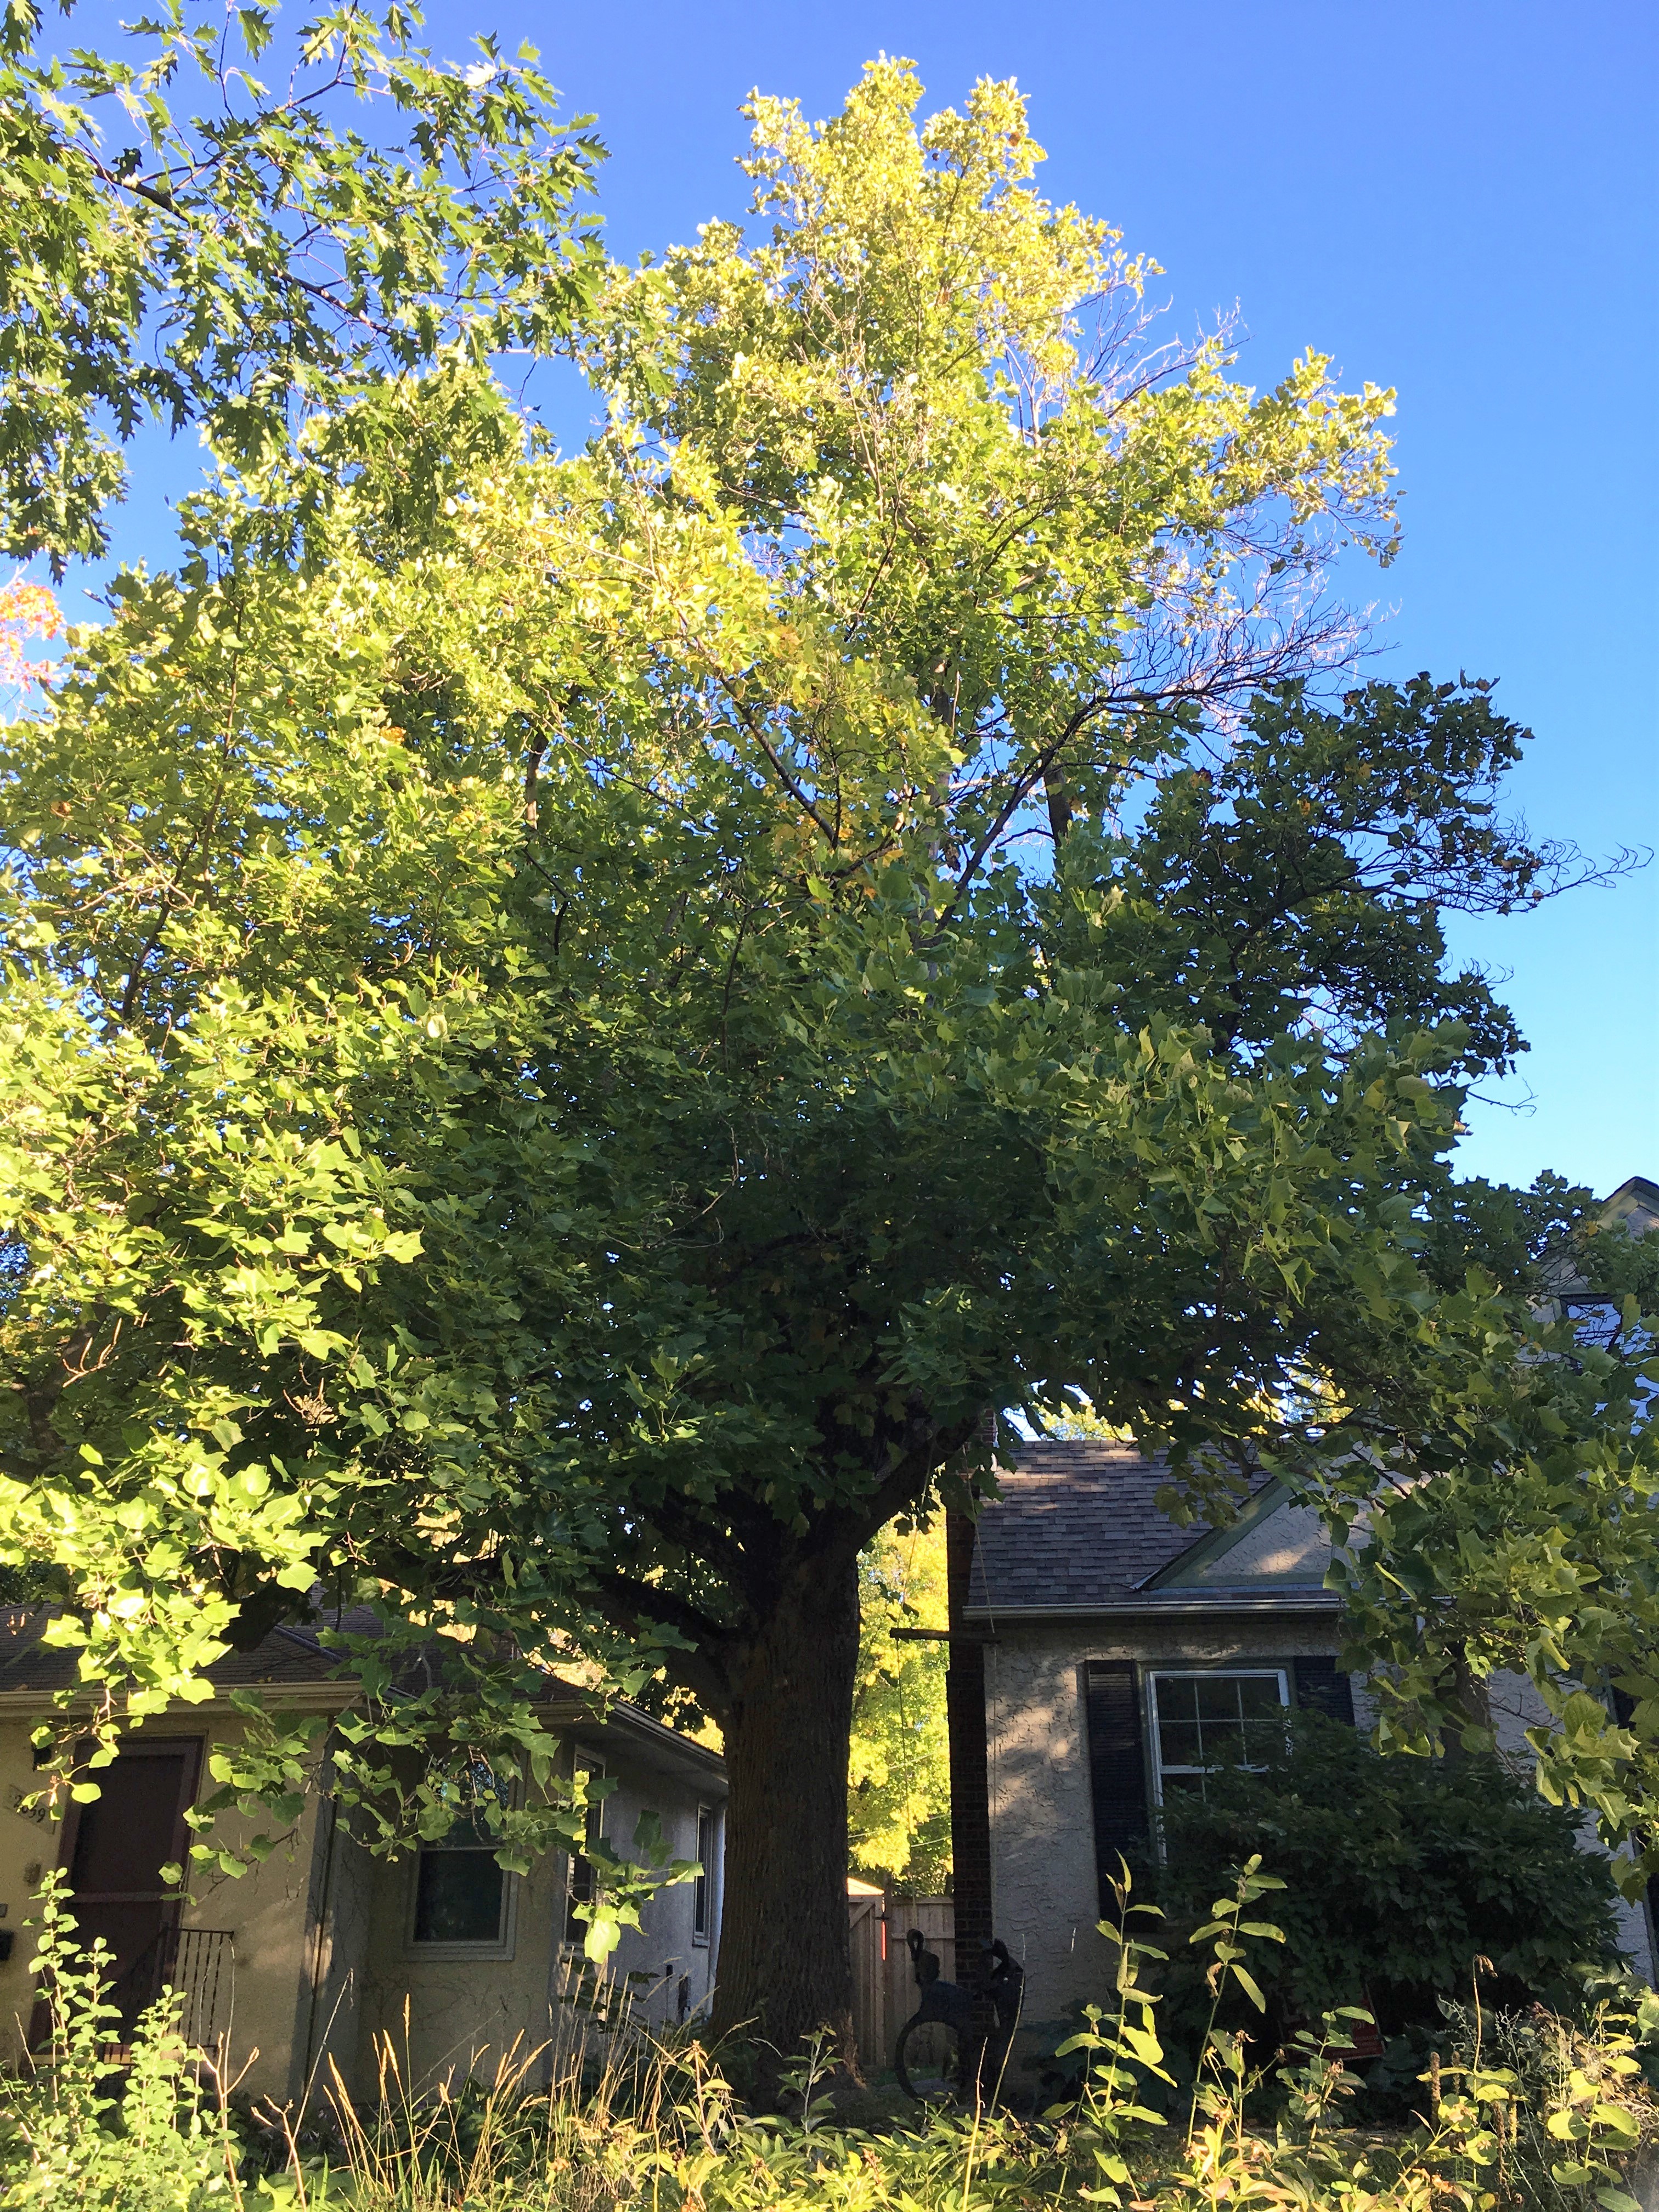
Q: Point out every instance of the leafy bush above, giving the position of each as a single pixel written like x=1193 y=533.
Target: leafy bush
x=1530 y=2113
x=67 y=2137
x=1400 y=1874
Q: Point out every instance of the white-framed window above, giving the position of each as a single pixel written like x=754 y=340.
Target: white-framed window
x=1205 y=1717
x=461 y=1903
x=702 y=1892
x=579 y=1879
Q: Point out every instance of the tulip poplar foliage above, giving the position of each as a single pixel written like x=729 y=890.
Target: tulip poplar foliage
x=238 y=266
x=575 y=1024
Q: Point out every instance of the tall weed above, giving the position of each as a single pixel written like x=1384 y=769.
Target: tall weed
x=1527 y=2111
x=1524 y=2111
x=166 y=2143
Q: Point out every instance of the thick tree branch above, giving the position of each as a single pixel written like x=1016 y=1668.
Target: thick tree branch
x=628 y=1604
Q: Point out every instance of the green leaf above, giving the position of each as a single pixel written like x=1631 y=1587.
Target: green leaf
x=1251 y=1989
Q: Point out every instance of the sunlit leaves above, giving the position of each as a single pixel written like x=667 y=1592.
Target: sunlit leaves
x=237 y=266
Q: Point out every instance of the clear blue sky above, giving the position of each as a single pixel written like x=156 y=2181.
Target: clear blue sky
x=1457 y=200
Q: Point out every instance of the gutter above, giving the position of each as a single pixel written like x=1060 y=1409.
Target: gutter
x=291 y=1697
x=1219 y=1605
x=663 y=1746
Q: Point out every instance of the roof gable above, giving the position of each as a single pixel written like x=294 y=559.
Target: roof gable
x=1274 y=1543
x=1635 y=1204
x=1077 y=1529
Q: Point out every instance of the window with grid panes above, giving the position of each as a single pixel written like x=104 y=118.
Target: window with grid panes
x=1202 y=1720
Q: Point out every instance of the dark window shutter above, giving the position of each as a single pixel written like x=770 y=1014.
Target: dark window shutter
x=1321 y=1687
x=1117 y=1769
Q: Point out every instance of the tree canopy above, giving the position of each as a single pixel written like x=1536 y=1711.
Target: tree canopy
x=240 y=266
x=576 y=1022
x=899 y=1776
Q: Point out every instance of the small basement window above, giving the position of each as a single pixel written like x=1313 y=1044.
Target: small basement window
x=1203 y=1719
x=462 y=1897
x=702 y=1894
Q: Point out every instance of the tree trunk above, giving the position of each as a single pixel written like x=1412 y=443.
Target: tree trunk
x=785 y=1965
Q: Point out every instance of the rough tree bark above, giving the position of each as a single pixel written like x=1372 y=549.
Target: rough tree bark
x=786 y=1713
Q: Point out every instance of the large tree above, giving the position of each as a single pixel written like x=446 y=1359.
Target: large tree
x=579 y=1022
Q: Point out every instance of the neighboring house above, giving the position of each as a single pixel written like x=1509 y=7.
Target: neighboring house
x=1118 y=1653
x=1099 y=1654
x=1633 y=1207
x=315 y=1953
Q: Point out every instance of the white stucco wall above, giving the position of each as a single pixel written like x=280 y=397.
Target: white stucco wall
x=1044 y=1890
x=447 y=2015
x=1044 y=1894
x=1514 y=1706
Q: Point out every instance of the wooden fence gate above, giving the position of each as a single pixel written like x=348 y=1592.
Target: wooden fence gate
x=884 y=1994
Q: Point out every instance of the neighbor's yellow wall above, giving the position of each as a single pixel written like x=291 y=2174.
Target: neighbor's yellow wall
x=265 y=1911
x=29 y=1845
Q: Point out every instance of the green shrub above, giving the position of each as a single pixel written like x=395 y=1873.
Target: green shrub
x=1400 y=1873
x=1528 y=2112
x=84 y=2129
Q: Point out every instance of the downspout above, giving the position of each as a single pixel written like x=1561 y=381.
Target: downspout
x=322 y=1949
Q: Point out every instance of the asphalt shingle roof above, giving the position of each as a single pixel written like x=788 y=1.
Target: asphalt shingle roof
x=289 y=1656
x=286 y=1656
x=1077 y=1524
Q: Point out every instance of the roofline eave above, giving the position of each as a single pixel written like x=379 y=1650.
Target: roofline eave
x=1216 y=1605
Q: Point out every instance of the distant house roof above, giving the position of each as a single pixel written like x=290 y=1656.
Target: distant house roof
x=1636 y=1203
x=289 y=1656
x=1633 y=1207
x=1077 y=1529
x=293 y=1661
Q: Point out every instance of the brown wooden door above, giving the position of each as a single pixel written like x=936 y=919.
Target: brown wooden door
x=114 y=1850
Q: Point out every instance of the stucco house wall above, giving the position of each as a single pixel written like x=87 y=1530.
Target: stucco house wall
x=265 y=2000
x=319 y=1961
x=1044 y=1885
x=1076 y=1564
x=446 y=2013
